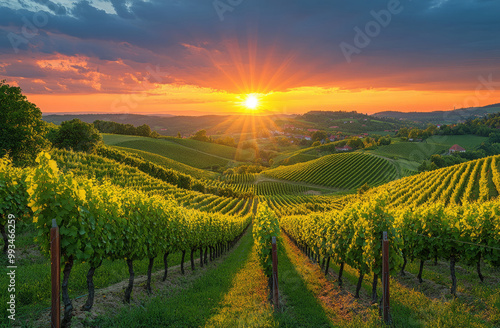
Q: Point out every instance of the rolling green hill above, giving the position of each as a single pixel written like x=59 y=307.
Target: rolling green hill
x=231 y=153
x=186 y=154
x=343 y=171
x=169 y=163
x=418 y=151
x=441 y=117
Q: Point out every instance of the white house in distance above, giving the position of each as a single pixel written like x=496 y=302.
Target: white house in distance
x=456 y=148
x=344 y=148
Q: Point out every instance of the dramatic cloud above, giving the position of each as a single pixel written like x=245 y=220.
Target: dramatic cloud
x=249 y=45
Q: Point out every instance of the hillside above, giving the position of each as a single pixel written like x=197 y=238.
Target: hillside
x=350 y=122
x=169 y=163
x=342 y=171
x=231 y=279
x=477 y=180
x=441 y=117
x=193 y=153
x=186 y=125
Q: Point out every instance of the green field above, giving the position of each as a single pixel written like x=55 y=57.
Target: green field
x=169 y=163
x=469 y=142
x=169 y=149
x=232 y=153
x=419 y=151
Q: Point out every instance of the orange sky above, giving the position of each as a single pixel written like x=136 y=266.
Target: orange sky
x=85 y=84
x=188 y=58
x=189 y=100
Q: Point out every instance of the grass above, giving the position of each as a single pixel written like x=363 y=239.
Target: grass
x=170 y=164
x=469 y=142
x=429 y=304
x=299 y=307
x=412 y=304
x=33 y=283
x=246 y=303
x=227 y=152
x=411 y=151
x=168 y=149
x=418 y=151
x=298 y=158
x=194 y=306
x=339 y=306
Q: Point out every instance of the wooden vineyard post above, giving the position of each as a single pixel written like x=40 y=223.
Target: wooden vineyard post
x=55 y=263
x=275 y=273
x=385 y=277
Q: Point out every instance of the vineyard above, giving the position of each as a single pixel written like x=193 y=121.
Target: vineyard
x=259 y=186
x=105 y=222
x=477 y=180
x=125 y=219
x=342 y=171
x=468 y=234
x=125 y=176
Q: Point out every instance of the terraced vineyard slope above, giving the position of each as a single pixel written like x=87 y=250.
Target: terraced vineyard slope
x=258 y=185
x=343 y=171
x=102 y=169
x=457 y=184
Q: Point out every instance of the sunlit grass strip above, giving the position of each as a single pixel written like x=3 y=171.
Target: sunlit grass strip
x=298 y=305
x=192 y=307
x=246 y=305
x=340 y=307
x=411 y=308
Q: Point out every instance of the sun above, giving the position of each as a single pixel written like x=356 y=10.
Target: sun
x=252 y=102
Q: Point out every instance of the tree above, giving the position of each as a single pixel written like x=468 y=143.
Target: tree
x=51 y=131
x=77 y=135
x=144 y=130
x=23 y=130
x=355 y=142
x=383 y=141
x=414 y=133
x=319 y=135
x=201 y=136
x=403 y=132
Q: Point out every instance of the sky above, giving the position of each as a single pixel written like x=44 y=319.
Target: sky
x=196 y=57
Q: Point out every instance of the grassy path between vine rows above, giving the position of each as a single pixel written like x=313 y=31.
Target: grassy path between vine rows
x=412 y=305
x=33 y=291
x=338 y=306
x=188 y=301
x=246 y=303
x=298 y=305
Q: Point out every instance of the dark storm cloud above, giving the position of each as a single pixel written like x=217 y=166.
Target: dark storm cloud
x=424 y=34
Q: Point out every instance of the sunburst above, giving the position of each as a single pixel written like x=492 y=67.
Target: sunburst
x=251 y=102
